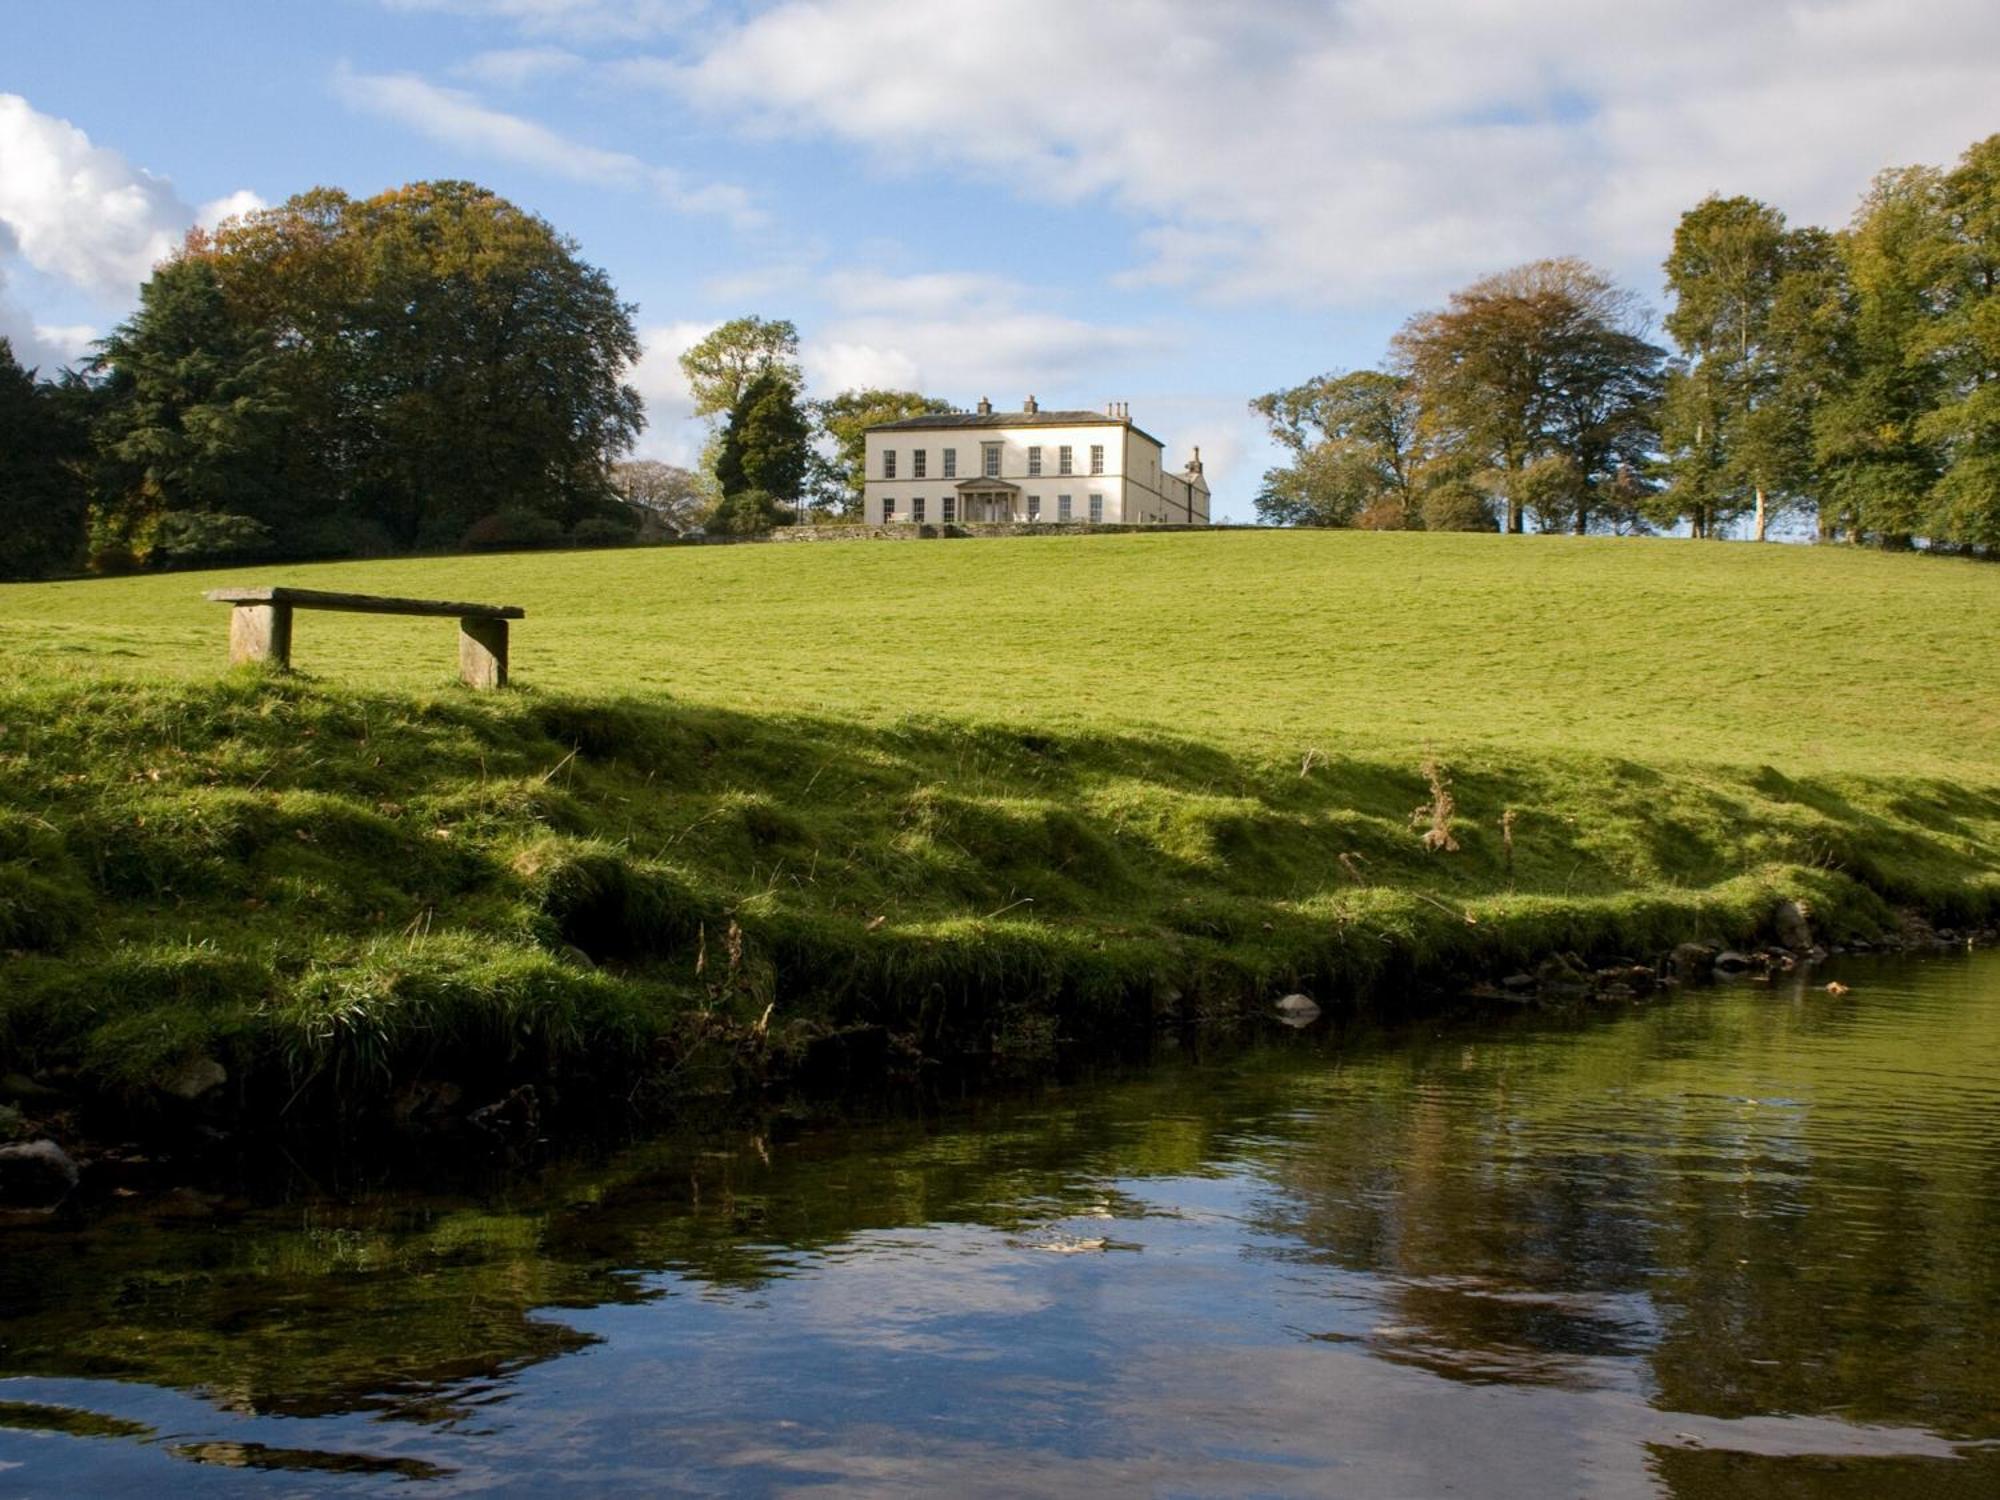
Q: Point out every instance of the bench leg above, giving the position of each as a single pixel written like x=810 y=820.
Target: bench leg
x=482 y=653
x=260 y=633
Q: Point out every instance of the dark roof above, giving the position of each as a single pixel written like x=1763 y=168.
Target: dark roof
x=953 y=420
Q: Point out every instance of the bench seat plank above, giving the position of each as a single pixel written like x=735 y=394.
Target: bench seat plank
x=367 y=604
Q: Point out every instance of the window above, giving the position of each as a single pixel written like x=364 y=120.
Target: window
x=1064 y=462
x=949 y=505
x=888 y=463
x=1062 y=507
x=917 y=464
x=1096 y=509
x=1035 y=462
x=951 y=463
x=992 y=470
x=1034 y=507
x=917 y=510
x=1096 y=458
x=888 y=510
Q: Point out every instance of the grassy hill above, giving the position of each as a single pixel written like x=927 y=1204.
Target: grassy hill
x=976 y=795
x=1261 y=642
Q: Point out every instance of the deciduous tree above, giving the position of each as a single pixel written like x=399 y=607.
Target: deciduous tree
x=1356 y=456
x=676 y=495
x=846 y=419
x=1544 y=361
x=1741 y=434
x=407 y=363
x=722 y=366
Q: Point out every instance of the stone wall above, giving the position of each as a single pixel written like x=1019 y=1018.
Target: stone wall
x=850 y=531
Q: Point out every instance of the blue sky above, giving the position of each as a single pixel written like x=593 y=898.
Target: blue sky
x=1176 y=203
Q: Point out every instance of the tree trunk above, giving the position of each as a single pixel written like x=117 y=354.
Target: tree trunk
x=1763 y=515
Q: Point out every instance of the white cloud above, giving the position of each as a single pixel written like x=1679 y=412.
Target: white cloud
x=671 y=432
x=82 y=212
x=233 y=206
x=580 y=20
x=87 y=221
x=517 y=67
x=961 y=334
x=1379 y=148
x=458 y=119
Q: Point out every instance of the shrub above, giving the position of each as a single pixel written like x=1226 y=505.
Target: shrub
x=512 y=527
x=748 y=512
x=1458 y=507
x=201 y=538
x=601 y=531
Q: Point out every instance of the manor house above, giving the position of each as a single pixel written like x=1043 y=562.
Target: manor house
x=1027 y=466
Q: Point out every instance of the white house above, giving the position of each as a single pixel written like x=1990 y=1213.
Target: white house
x=1027 y=466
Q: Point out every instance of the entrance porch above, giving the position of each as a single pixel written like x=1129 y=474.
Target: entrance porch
x=988 y=501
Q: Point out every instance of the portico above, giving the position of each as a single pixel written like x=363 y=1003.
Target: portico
x=987 y=500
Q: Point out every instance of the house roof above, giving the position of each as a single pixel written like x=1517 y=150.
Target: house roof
x=985 y=484
x=953 y=421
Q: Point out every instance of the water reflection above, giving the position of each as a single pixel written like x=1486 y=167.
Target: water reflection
x=1743 y=1242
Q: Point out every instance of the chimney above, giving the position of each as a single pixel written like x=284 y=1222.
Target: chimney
x=1029 y=406
x=985 y=407
x=1194 y=464
x=1118 y=409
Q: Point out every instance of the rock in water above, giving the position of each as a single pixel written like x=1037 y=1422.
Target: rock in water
x=37 y=1174
x=1298 y=1010
x=1692 y=961
x=1728 y=961
x=1789 y=923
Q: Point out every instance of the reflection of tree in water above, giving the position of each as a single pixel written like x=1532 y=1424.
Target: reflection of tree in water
x=1568 y=1205
x=1647 y=1191
x=407 y=1304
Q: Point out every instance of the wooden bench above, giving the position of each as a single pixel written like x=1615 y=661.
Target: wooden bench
x=260 y=626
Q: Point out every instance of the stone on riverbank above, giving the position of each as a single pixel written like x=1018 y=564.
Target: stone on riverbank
x=35 y=1174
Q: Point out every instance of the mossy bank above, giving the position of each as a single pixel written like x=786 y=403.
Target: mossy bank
x=755 y=809
x=299 y=901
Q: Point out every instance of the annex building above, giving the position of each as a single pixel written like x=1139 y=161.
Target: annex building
x=1027 y=466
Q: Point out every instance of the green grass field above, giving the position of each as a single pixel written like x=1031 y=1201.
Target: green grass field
x=971 y=796
x=1262 y=642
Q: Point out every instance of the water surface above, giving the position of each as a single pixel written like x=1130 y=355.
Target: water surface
x=1746 y=1241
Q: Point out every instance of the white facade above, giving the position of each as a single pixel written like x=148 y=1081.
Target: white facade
x=1028 y=466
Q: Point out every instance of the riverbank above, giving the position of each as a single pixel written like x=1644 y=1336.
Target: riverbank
x=259 y=901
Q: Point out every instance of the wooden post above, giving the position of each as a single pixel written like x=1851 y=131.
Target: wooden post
x=260 y=633
x=482 y=652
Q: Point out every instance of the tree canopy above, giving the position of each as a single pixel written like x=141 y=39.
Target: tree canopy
x=846 y=418
x=722 y=365
x=389 y=368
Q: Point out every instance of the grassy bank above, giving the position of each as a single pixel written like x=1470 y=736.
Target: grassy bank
x=945 y=797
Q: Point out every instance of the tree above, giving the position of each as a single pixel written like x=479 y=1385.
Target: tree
x=676 y=495
x=396 y=366
x=1356 y=456
x=195 y=410
x=723 y=365
x=44 y=446
x=1741 y=283
x=747 y=512
x=846 y=419
x=1878 y=469
x=767 y=444
x=1960 y=342
x=1543 y=361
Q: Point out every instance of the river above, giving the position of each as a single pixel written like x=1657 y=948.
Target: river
x=1742 y=1241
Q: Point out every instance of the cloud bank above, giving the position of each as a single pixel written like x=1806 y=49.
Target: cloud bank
x=85 y=217
x=1341 y=154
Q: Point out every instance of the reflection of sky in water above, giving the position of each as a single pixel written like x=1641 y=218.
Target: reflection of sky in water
x=1616 y=1260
